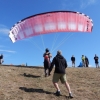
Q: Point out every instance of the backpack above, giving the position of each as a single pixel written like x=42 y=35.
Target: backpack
x=46 y=56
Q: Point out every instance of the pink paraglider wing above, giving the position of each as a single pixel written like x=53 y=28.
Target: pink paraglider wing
x=44 y=23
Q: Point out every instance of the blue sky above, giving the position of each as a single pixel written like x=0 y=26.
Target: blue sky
x=31 y=50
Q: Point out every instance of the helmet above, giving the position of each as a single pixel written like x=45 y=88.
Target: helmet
x=47 y=50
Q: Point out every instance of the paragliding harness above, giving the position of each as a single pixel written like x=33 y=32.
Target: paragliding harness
x=47 y=60
x=46 y=57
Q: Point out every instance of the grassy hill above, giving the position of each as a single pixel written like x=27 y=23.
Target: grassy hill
x=21 y=83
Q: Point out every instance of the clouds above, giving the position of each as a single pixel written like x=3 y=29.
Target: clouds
x=86 y=3
x=69 y=63
x=5 y=50
x=90 y=65
x=10 y=51
x=74 y=5
x=3 y=30
x=66 y=4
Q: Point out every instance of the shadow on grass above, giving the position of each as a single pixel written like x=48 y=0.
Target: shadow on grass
x=34 y=90
x=29 y=75
x=41 y=91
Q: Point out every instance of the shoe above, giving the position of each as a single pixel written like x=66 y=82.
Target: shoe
x=45 y=74
x=57 y=93
x=70 y=95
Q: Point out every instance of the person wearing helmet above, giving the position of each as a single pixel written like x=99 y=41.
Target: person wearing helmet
x=47 y=55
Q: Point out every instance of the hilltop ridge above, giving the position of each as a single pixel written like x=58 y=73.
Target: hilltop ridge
x=26 y=83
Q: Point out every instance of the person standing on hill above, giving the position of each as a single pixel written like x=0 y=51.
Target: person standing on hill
x=47 y=55
x=86 y=62
x=73 y=61
x=83 y=60
x=96 y=58
x=60 y=72
x=1 y=59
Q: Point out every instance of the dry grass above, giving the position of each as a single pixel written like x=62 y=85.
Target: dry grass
x=20 y=83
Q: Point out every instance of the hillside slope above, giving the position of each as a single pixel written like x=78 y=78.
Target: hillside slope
x=20 y=83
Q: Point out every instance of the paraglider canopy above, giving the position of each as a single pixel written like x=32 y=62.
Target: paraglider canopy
x=56 y=21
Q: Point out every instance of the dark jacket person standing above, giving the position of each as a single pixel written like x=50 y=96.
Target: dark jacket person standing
x=96 y=58
x=86 y=62
x=60 y=66
x=1 y=59
x=73 y=61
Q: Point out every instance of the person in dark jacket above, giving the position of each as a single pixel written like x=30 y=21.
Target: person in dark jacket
x=96 y=58
x=73 y=61
x=86 y=62
x=47 y=55
x=1 y=59
x=60 y=66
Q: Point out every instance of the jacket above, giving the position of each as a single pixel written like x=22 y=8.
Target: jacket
x=60 y=64
x=72 y=58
